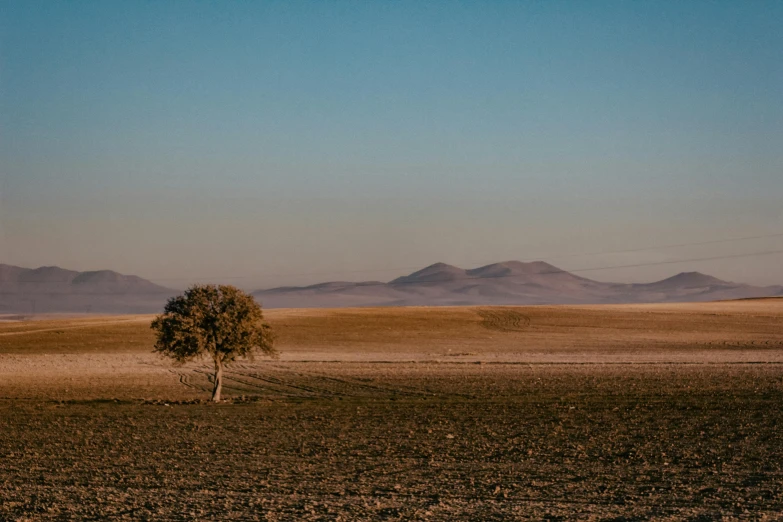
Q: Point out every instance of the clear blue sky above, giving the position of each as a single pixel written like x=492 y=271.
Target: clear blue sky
x=195 y=140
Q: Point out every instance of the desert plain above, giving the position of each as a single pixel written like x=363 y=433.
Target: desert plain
x=611 y=412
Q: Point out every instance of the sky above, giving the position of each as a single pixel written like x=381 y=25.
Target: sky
x=271 y=143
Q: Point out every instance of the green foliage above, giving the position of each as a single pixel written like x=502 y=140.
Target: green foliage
x=216 y=320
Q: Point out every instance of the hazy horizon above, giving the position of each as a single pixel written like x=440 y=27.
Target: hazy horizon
x=292 y=143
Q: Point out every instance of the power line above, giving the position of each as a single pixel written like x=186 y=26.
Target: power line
x=471 y=278
x=578 y=270
x=536 y=258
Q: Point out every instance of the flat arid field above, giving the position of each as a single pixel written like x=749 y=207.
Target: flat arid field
x=621 y=412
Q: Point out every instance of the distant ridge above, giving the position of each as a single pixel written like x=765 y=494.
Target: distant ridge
x=51 y=289
x=506 y=283
x=509 y=268
x=690 y=280
x=53 y=279
x=437 y=273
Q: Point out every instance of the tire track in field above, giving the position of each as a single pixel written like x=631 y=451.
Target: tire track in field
x=503 y=319
x=312 y=383
x=276 y=381
x=385 y=391
x=309 y=391
x=363 y=389
x=249 y=382
x=186 y=379
x=205 y=376
x=258 y=383
x=238 y=383
x=70 y=327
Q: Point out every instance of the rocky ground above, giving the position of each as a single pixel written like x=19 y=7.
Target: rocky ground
x=543 y=413
x=481 y=443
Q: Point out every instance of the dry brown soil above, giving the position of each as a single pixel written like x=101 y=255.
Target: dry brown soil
x=636 y=412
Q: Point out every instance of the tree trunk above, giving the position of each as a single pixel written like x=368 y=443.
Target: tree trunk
x=218 y=380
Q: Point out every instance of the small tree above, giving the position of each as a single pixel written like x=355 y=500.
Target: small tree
x=220 y=321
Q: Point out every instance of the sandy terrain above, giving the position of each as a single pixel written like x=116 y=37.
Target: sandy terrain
x=489 y=413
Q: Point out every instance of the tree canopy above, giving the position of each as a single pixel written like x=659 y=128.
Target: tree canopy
x=221 y=321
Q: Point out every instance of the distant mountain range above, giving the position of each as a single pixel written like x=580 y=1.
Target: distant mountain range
x=509 y=283
x=52 y=289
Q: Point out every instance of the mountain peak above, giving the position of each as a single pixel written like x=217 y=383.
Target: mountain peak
x=512 y=268
x=99 y=276
x=435 y=273
x=507 y=283
x=59 y=280
x=691 y=280
x=47 y=274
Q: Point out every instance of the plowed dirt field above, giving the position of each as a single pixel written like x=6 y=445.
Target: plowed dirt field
x=535 y=413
